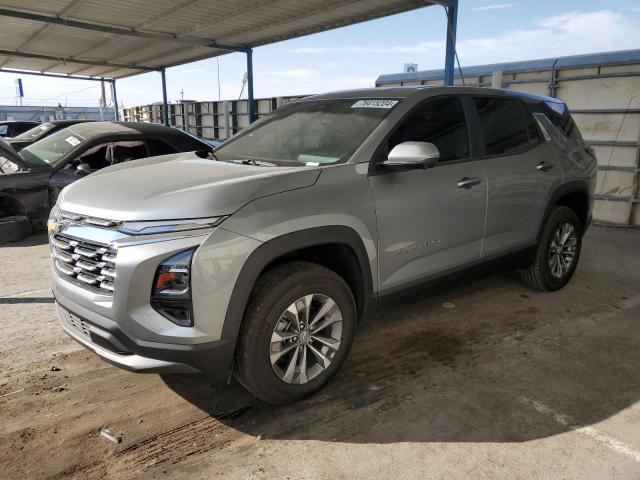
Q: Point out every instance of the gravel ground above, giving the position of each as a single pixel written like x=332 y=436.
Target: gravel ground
x=504 y=383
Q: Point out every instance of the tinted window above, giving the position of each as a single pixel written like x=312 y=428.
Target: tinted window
x=440 y=121
x=158 y=147
x=558 y=114
x=503 y=125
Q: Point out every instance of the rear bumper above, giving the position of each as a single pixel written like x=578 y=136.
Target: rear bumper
x=113 y=346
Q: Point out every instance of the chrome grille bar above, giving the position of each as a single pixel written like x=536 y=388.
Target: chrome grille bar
x=86 y=264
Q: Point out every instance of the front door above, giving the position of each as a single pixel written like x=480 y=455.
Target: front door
x=430 y=221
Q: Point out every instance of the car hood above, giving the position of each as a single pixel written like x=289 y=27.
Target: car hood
x=178 y=186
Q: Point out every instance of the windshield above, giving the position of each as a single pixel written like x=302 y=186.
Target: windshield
x=309 y=132
x=35 y=133
x=3 y=129
x=50 y=150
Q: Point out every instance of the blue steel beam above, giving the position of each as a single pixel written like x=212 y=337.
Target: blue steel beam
x=165 y=105
x=250 y=85
x=452 y=25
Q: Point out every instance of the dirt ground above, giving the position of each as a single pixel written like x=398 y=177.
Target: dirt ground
x=490 y=380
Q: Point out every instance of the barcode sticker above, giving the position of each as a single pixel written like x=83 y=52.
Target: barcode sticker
x=73 y=141
x=374 y=103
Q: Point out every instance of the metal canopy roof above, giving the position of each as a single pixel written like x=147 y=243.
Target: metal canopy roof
x=119 y=38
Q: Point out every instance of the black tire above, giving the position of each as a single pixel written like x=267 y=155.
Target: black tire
x=274 y=291
x=539 y=275
x=14 y=228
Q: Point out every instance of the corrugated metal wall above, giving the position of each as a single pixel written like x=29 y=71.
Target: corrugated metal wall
x=605 y=100
x=34 y=113
x=207 y=119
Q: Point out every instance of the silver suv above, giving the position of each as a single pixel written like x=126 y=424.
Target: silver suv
x=263 y=257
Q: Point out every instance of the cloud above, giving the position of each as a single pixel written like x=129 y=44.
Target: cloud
x=558 y=35
x=425 y=47
x=496 y=6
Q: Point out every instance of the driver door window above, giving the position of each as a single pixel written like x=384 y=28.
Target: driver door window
x=440 y=121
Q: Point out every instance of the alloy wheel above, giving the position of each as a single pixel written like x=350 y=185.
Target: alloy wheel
x=562 y=251
x=306 y=338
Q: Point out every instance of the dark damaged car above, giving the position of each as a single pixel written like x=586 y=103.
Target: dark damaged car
x=31 y=180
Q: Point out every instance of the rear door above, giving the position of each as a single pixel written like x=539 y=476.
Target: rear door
x=427 y=222
x=522 y=171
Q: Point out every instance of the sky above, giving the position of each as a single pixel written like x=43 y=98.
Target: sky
x=489 y=31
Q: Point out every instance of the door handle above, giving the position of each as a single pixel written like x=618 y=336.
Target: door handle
x=543 y=166
x=468 y=182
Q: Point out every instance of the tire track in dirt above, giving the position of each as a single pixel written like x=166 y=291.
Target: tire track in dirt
x=169 y=447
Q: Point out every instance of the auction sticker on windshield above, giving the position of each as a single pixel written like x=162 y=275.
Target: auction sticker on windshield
x=73 y=141
x=374 y=103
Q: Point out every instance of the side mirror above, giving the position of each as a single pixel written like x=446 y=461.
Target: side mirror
x=412 y=155
x=83 y=169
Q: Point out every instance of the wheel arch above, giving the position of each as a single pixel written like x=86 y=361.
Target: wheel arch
x=339 y=248
x=574 y=195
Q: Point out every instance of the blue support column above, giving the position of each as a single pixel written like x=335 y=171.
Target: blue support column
x=452 y=24
x=114 y=94
x=250 y=111
x=165 y=105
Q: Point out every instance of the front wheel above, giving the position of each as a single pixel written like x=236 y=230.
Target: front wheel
x=558 y=252
x=297 y=332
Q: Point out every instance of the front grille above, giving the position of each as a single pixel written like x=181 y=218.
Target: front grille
x=89 y=265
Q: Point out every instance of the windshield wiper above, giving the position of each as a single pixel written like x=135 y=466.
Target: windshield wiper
x=251 y=161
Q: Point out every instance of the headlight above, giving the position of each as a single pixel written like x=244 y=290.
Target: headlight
x=171 y=293
x=169 y=226
x=51 y=222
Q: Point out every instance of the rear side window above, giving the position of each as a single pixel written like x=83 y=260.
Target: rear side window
x=158 y=147
x=503 y=125
x=440 y=121
x=558 y=114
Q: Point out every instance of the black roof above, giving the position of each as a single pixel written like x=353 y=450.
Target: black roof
x=67 y=123
x=90 y=130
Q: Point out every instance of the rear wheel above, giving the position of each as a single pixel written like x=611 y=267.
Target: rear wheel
x=558 y=252
x=297 y=332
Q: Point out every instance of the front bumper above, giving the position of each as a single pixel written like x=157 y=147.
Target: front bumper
x=114 y=347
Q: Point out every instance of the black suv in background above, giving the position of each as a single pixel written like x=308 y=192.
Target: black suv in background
x=10 y=128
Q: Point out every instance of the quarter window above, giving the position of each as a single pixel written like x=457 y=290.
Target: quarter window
x=503 y=125
x=558 y=114
x=440 y=121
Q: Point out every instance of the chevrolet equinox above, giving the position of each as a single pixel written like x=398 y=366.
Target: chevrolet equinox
x=262 y=257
